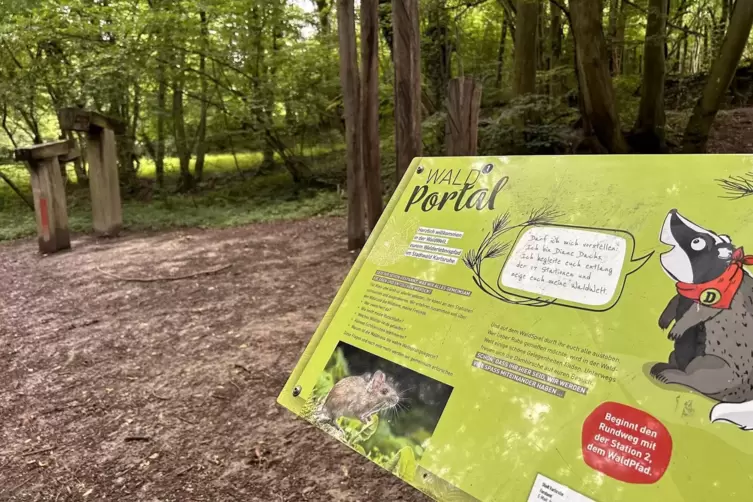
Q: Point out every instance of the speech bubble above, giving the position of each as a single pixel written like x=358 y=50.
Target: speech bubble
x=578 y=267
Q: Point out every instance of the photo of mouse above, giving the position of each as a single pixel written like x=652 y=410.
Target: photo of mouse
x=382 y=409
x=711 y=317
x=360 y=397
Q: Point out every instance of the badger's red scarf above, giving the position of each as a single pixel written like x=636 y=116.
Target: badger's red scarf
x=718 y=293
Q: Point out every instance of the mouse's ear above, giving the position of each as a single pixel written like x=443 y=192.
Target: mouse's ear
x=378 y=378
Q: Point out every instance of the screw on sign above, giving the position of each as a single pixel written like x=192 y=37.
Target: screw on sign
x=626 y=444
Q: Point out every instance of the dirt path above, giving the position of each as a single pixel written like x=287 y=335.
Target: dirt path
x=731 y=132
x=166 y=391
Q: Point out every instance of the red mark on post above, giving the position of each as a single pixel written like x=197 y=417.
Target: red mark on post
x=45 y=219
x=626 y=444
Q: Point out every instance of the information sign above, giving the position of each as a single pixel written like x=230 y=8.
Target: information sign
x=549 y=329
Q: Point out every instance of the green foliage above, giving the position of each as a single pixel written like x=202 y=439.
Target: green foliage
x=530 y=125
x=229 y=198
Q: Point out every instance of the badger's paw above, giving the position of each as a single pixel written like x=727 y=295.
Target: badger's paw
x=673 y=334
x=667 y=374
x=658 y=368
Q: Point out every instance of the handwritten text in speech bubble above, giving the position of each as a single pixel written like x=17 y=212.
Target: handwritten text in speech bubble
x=574 y=264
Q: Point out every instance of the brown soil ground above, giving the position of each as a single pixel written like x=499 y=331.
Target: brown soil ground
x=166 y=391
x=732 y=132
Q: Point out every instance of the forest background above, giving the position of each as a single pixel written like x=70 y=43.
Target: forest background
x=235 y=111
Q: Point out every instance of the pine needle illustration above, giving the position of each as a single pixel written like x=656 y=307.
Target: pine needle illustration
x=492 y=247
x=737 y=187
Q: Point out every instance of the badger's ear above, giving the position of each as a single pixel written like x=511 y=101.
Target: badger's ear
x=726 y=239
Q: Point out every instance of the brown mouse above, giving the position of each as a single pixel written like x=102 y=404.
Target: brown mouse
x=358 y=397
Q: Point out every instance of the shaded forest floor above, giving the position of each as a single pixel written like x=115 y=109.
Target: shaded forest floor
x=116 y=390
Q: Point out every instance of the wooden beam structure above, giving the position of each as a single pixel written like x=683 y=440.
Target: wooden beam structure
x=47 y=186
x=101 y=155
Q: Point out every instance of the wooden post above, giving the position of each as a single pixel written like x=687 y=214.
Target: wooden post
x=48 y=189
x=463 y=106
x=101 y=155
x=370 y=109
x=407 y=55
x=349 y=79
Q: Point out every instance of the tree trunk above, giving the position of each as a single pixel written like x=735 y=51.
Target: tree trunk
x=719 y=79
x=407 y=55
x=201 y=132
x=370 y=110
x=349 y=81
x=684 y=56
x=134 y=155
x=541 y=47
x=385 y=23
x=323 y=8
x=618 y=44
x=463 y=106
x=78 y=163
x=437 y=52
x=721 y=28
x=501 y=53
x=18 y=191
x=526 y=24
x=510 y=15
x=595 y=79
x=159 y=149
x=7 y=130
x=179 y=132
x=556 y=83
x=614 y=14
x=649 y=128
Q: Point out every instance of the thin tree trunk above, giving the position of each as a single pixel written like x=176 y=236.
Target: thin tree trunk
x=201 y=132
x=349 y=81
x=407 y=55
x=555 y=38
x=370 y=109
x=436 y=52
x=159 y=149
x=179 y=132
x=526 y=24
x=385 y=23
x=133 y=154
x=618 y=44
x=501 y=53
x=7 y=130
x=649 y=128
x=721 y=28
x=18 y=191
x=614 y=6
x=323 y=8
x=78 y=163
x=594 y=67
x=541 y=46
x=719 y=79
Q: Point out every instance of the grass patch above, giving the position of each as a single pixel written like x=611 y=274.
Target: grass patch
x=230 y=195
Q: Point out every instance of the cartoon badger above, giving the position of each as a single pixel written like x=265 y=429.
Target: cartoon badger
x=713 y=319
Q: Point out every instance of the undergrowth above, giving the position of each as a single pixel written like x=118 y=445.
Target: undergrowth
x=230 y=195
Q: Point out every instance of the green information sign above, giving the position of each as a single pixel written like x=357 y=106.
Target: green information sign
x=548 y=329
